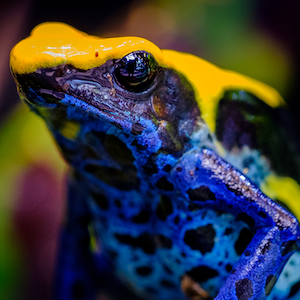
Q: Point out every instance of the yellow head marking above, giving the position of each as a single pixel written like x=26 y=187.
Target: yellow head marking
x=210 y=83
x=52 y=44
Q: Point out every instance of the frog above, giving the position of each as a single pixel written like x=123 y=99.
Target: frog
x=183 y=177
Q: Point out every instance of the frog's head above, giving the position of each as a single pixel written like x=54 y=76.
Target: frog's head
x=124 y=81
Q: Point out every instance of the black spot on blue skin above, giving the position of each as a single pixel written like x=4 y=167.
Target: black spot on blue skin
x=78 y=290
x=164 y=207
x=122 y=179
x=176 y=220
x=228 y=267
x=244 y=289
x=201 y=239
x=142 y=217
x=150 y=167
x=118 y=203
x=294 y=289
x=202 y=273
x=144 y=241
x=271 y=280
x=100 y=200
x=235 y=191
x=144 y=270
x=262 y=214
x=118 y=150
x=179 y=169
x=189 y=218
x=246 y=218
x=162 y=241
x=228 y=231
x=202 y=193
x=167 y=283
x=247 y=253
x=138 y=146
x=167 y=168
x=164 y=184
x=243 y=240
x=288 y=247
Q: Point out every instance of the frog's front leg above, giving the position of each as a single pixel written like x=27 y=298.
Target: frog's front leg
x=207 y=180
x=74 y=278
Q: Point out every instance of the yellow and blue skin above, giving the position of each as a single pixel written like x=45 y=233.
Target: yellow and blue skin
x=171 y=160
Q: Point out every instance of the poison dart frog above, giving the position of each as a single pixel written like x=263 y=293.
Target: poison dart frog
x=184 y=178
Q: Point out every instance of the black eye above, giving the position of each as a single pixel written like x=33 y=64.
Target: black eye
x=136 y=71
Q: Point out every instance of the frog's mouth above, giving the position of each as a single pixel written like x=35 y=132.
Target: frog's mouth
x=92 y=91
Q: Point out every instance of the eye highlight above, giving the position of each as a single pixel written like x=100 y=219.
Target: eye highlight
x=136 y=71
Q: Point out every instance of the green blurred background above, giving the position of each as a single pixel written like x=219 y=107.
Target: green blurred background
x=259 y=38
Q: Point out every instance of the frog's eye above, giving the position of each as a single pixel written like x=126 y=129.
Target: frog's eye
x=136 y=71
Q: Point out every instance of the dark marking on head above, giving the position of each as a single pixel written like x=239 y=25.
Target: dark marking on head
x=202 y=273
x=202 y=193
x=271 y=280
x=122 y=179
x=247 y=253
x=142 y=217
x=144 y=241
x=294 y=289
x=287 y=247
x=246 y=218
x=244 y=289
x=164 y=207
x=164 y=184
x=243 y=240
x=100 y=200
x=144 y=270
x=201 y=238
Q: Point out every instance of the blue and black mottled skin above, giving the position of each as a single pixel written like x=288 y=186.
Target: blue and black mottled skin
x=147 y=182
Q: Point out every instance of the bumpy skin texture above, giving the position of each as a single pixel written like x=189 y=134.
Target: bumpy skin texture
x=149 y=184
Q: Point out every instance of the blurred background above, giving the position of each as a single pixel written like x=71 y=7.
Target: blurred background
x=259 y=38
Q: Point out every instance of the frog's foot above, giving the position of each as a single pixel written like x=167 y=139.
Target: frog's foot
x=193 y=290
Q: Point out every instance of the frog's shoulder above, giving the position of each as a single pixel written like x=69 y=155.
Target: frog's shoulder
x=211 y=82
x=251 y=123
